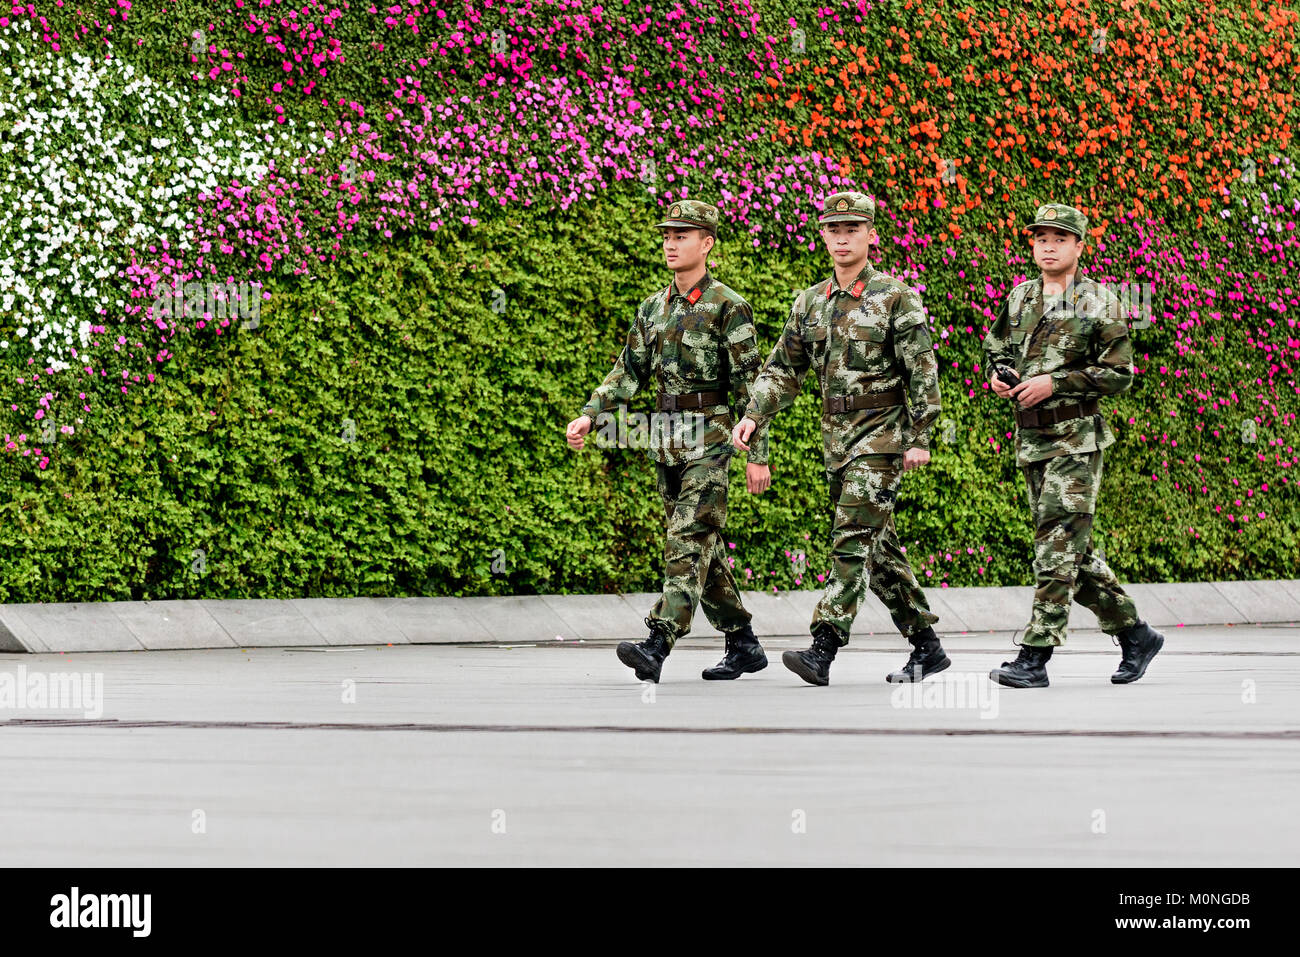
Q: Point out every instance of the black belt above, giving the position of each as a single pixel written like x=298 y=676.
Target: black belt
x=1037 y=418
x=689 y=400
x=872 y=400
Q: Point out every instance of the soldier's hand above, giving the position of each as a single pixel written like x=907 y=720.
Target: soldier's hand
x=915 y=458
x=1033 y=391
x=1000 y=388
x=741 y=433
x=758 y=478
x=576 y=433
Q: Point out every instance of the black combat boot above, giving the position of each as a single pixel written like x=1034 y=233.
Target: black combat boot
x=647 y=657
x=1029 y=670
x=744 y=655
x=1139 y=644
x=814 y=665
x=927 y=658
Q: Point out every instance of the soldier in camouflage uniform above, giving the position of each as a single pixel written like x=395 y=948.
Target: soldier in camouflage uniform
x=866 y=336
x=695 y=341
x=1066 y=341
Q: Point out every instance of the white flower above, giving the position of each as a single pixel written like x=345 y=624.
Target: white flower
x=72 y=207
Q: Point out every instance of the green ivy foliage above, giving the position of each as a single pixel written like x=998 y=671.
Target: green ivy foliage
x=396 y=428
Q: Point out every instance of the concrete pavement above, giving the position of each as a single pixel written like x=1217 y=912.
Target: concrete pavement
x=552 y=753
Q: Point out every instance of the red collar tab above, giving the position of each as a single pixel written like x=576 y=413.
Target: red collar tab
x=694 y=296
x=829 y=286
x=856 y=290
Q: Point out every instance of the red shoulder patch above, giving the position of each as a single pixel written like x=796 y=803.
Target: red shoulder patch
x=694 y=296
x=856 y=291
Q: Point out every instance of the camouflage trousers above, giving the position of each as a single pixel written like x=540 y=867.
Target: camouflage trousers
x=865 y=551
x=1062 y=501
x=696 y=571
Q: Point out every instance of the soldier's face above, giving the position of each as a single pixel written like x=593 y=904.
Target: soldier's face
x=848 y=243
x=1055 y=250
x=686 y=248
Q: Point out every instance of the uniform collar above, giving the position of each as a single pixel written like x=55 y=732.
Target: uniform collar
x=854 y=288
x=695 y=292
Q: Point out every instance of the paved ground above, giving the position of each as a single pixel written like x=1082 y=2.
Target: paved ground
x=554 y=754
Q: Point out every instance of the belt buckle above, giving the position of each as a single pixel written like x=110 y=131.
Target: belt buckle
x=669 y=403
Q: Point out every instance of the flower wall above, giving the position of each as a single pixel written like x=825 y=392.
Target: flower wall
x=443 y=215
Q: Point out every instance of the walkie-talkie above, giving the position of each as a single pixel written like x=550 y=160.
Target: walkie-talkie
x=1006 y=375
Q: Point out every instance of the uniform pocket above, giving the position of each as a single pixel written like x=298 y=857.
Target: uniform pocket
x=868 y=489
x=699 y=354
x=702 y=502
x=654 y=343
x=866 y=348
x=1069 y=345
x=1069 y=485
x=814 y=342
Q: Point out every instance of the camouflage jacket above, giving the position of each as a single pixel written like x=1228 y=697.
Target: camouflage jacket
x=871 y=337
x=1081 y=341
x=699 y=342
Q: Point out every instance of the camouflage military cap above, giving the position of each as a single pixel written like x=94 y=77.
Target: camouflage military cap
x=848 y=208
x=1061 y=217
x=691 y=214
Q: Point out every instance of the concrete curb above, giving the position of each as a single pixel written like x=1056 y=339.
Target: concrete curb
x=520 y=619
